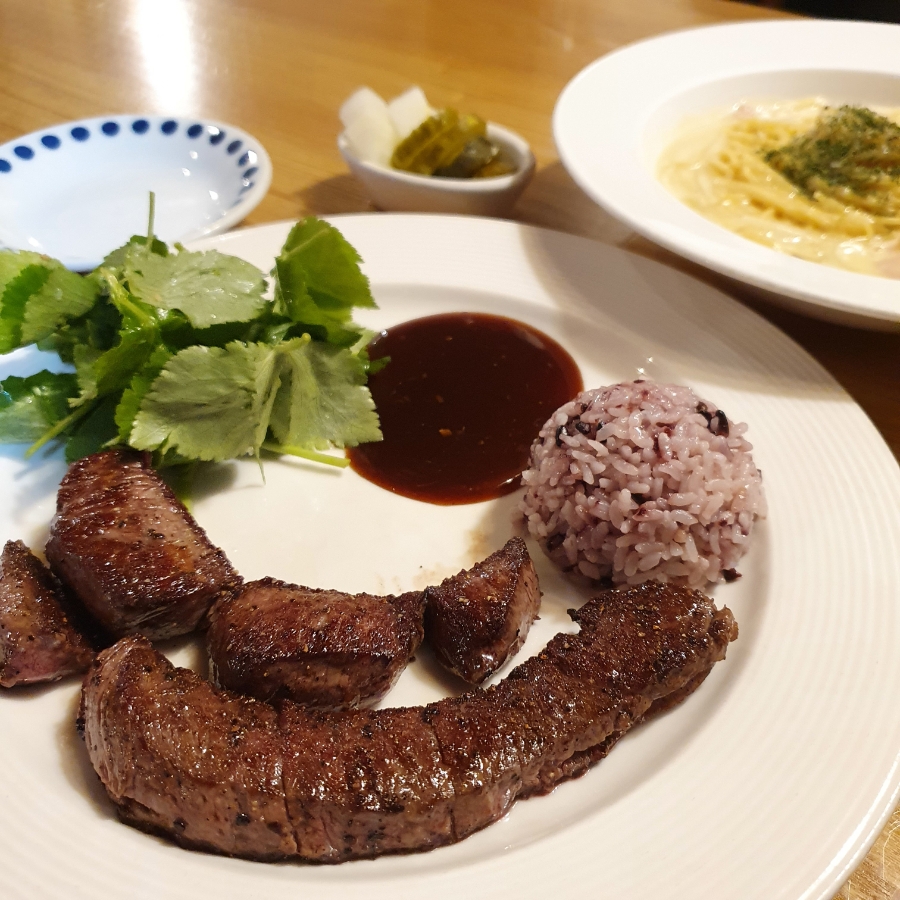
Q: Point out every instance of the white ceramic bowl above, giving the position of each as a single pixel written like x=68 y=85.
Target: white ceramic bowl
x=614 y=118
x=77 y=190
x=391 y=189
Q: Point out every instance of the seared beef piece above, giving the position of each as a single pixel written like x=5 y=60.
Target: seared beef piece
x=321 y=648
x=129 y=550
x=38 y=642
x=361 y=783
x=183 y=759
x=477 y=619
x=552 y=717
x=364 y=782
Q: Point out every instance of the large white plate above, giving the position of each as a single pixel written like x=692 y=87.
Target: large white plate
x=770 y=782
x=613 y=119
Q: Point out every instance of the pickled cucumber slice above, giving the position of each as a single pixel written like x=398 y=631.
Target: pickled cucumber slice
x=437 y=142
x=474 y=156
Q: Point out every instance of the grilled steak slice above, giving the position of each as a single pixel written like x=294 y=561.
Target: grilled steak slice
x=181 y=758
x=129 y=550
x=317 y=647
x=360 y=783
x=363 y=783
x=477 y=619
x=561 y=710
x=38 y=641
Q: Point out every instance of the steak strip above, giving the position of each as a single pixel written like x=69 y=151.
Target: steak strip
x=215 y=771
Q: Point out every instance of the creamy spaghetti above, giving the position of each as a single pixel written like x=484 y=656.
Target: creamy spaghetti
x=839 y=211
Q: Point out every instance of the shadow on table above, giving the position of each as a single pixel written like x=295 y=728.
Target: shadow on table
x=333 y=196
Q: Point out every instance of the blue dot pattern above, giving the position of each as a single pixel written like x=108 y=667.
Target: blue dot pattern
x=140 y=126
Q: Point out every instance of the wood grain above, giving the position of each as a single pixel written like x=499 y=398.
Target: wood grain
x=281 y=68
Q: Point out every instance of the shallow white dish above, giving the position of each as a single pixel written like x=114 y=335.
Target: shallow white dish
x=614 y=118
x=77 y=190
x=770 y=782
x=391 y=189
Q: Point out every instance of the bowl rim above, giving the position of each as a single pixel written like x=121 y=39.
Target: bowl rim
x=262 y=178
x=618 y=177
x=493 y=184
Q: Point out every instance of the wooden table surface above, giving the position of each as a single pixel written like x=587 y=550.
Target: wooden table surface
x=281 y=68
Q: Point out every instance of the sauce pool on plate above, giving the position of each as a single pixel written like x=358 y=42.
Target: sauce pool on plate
x=460 y=401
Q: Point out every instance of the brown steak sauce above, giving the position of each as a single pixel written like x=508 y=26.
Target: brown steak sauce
x=460 y=402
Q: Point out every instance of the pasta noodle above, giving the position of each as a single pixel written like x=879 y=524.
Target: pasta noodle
x=716 y=164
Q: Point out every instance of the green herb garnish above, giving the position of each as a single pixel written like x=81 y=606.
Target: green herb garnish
x=851 y=150
x=186 y=354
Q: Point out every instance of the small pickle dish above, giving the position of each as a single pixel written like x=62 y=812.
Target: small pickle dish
x=413 y=158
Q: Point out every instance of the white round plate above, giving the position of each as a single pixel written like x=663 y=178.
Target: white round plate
x=77 y=190
x=770 y=782
x=615 y=117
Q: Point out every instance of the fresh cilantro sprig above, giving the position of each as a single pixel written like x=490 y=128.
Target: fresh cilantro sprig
x=190 y=355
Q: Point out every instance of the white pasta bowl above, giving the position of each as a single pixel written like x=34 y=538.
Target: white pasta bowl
x=613 y=119
x=391 y=189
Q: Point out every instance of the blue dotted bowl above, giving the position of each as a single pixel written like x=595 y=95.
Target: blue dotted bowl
x=78 y=190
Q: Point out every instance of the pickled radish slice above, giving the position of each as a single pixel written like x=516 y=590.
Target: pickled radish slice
x=368 y=127
x=408 y=111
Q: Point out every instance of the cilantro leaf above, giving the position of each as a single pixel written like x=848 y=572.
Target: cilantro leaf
x=182 y=354
x=94 y=432
x=323 y=398
x=98 y=328
x=12 y=262
x=116 y=259
x=37 y=295
x=318 y=282
x=209 y=403
x=132 y=397
x=64 y=295
x=328 y=263
x=28 y=281
x=29 y=406
x=209 y=288
x=101 y=373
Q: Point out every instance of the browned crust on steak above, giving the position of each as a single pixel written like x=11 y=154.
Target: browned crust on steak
x=130 y=552
x=385 y=790
x=325 y=649
x=38 y=642
x=478 y=619
x=181 y=758
x=361 y=783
